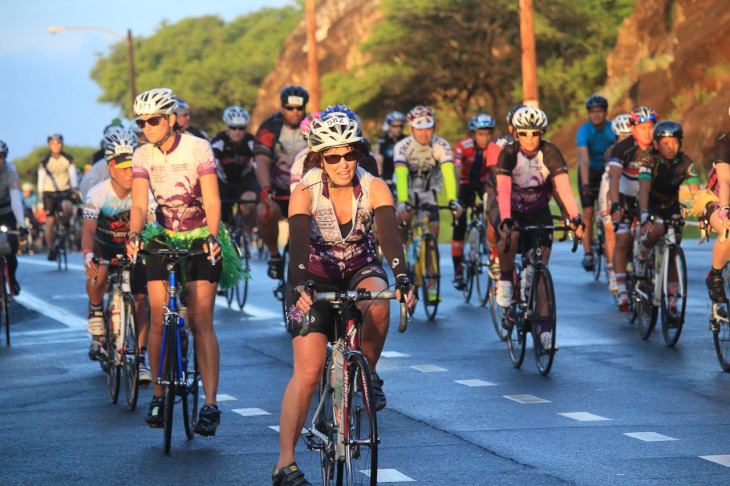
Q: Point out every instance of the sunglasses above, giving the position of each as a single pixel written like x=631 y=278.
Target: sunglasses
x=528 y=134
x=292 y=108
x=333 y=159
x=643 y=119
x=153 y=122
x=397 y=126
x=237 y=128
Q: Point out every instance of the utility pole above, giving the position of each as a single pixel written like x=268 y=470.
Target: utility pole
x=529 y=57
x=314 y=95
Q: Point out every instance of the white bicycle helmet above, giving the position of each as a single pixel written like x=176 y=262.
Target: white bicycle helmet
x=421 y=116
x=530 y=118
x=392 y=117
x=333 y=130
x=27 y=186
x=235 y=116
x=119 y=141
x=158 y=101
x=621 y=125
x=3 y=148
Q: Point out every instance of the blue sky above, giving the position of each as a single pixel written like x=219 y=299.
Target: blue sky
x=45 y=85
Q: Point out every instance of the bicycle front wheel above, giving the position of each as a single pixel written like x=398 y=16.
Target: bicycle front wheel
x=361 y=441
x=469 y=263
x=646 y=313
x=674 y=306
x=192 y=377
x=542 y=306
x=130 y=356
x=168 y=389
x=242 y=285
x=516 y=336
x=326 y=425
x=5 y=289
x=597 y=251
x=482 y=275
x=431 y=276
x=113 y=371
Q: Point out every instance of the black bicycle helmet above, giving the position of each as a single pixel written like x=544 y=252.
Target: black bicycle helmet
x=596 y=101
x=668 y=128
x=294 y=95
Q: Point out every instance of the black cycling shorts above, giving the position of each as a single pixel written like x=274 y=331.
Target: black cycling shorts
x=197 y=267
x=542 y=216
x=53 y=199
x=138 y=277
x=594 y=184
x=233 y=191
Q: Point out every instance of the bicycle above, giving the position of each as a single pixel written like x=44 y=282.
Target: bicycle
x=120 y=345
x=6 y=293
x=476 y=261
x=597 y=251
x=178 y=372
x=652 y=291
x=720 y=325
x=529 y=307
x=241 y=243
x=422 y=257
x=344 y=427
x=60 y=240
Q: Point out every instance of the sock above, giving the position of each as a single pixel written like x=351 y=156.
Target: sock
x=506 y=275
x=621 y=282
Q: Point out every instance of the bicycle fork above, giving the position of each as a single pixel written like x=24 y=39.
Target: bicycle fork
x=172 y=319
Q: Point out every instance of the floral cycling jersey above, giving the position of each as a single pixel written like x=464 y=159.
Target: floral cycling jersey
x=423 y=162
x=531 y=176
x=174 y=178
x=666 y=176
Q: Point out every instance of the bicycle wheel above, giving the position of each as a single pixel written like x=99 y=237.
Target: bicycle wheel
x=630 y=283
x=411 y=260
x=4 y=289
x=326 y=425
x=542 y=307
x=113 y=371
x=242 y=285
x=361 y=429
x=190 y=394
x=481 y=274
x=130 y=356
x=673 y=316
x=597 y=252
x=282 y=283
x=516 y=336
x=646 y=313
x=469 y=263
x=431 y=276
x=168 y=389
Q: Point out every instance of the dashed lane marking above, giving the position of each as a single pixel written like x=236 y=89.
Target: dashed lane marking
x=649 y=436
x=428 y=368
x=250 y=412
x=275 y=428
x=394 y=354
x=584 y=416
x=251 y=311
x=525 y=399
x=723 y=460
x=474 y=383
x=56 y=313
x=389 y=476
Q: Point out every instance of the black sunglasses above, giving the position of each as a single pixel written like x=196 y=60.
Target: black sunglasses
x=154 y=121
x=335 y=158
x=292 y=108
x=237 y=128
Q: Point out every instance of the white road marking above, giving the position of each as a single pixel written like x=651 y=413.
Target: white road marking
x=649 y=436
x=56 y=313
x=525 y=399
x=250 y=412
x=584 y=416
x=222 y=397
x=389 y=476
x=70 y=296
x=474 y=383
x=276 y=429
x=394 y=354
x=723 y=460
x=428 y=368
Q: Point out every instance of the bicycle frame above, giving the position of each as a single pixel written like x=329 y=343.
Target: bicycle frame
x=172 y=317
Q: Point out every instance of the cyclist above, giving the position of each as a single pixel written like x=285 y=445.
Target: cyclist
x=336 y=203
x=57 y=179
x=99 y=154
x=527 y=170
x=183 y=120
x=113 y=135
x=392 y=134
x=470 y=170
x=662 y=171
x=11 y=211
x=593 y=138
x=105 y=230
x=180 y=170
x=297 y=168
x=622 y=129
x=233 y=151
x=277 y=141
x=624 y=165
x=422 y=161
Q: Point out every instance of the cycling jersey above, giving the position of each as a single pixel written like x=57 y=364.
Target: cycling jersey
x=196 y=132
x=99 y=172
x=57 y=173
x=531 y=176
x=423 y=163
x=596 y=141
x=11 y=199
x=471 y=159
x=666 y=177
x=174 y=178
x=280 y=143
x=627 y=154
x=385 y=146
x=233 y=160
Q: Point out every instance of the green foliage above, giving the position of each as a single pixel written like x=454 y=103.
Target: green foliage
x=209 y=63
x=28 y=166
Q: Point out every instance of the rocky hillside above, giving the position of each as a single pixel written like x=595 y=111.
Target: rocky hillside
x=674 y=56
x=341 y=26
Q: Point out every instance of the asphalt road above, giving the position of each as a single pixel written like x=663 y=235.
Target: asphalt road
x=614 y=409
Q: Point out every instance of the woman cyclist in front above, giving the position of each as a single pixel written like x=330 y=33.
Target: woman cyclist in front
x=336 y=204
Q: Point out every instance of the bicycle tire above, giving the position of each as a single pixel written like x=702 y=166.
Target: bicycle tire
x=482 y=275
x=4 y=288
x=597 y=252
x=468 y=265
x=361 y=442
x=168 y=390
x=231 y=291
x=672 y=327
x=192 y=377
x=516 y=338
x=113 y=372
x=542 y=280
x=431 y=260
x=242 y=285
x=646 y=312
x=497 y=312
x=630 y=283
x=411 y=259
x=130 y=358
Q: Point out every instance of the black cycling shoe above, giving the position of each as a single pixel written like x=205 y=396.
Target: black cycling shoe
x=289 y=476
x=15 y=286
x=276 y=268
x=716 y=286
x=155 y=414
x=459 y=283
x=208 y=420
x=52 y=255
x=587 y=263
x=378 y=395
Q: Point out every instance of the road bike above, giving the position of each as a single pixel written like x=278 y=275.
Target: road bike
x=533 y=309
x=720 y=325
x=476 y=261
x=344 y=428
x=60 y=239
x=597 y=250
x=241 y=243
x=120 y=345
x=178 y=372
x=6 y=292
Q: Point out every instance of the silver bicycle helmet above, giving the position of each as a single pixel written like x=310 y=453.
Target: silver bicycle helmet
x=621 y=125
x=530 y=118
x=235 y=116
x=333 y=130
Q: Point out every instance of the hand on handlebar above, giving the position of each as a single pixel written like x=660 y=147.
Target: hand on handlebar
x=134 y=244
x=402 y=211
x=578 y=226
x=403 y=284
x=455 y=208
x=91 y=269
x=213 y=248
x=647 y=222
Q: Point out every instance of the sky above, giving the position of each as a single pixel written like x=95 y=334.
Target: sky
x=45 y=85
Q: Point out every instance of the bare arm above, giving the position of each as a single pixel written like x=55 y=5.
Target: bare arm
x=140 y=199
x=583 y=166
x=263 y=170
x=644 y=190
x=87 y=235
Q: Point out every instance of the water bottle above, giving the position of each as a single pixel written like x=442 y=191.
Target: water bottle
x=126 y=286
x=337 y=369
x=525 y=282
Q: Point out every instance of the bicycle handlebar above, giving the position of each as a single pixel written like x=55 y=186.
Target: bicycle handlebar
x=541 y=227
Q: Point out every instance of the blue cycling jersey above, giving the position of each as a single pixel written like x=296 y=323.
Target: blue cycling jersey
x=596 y=141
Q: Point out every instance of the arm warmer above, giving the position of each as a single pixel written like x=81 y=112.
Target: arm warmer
x=504 y=196
x=299 y=253
x=16 y=203
x=401 y=175
x=447 y=169
x=389 y=239
x=562 y=185
x=41 y=181
x=72 y=177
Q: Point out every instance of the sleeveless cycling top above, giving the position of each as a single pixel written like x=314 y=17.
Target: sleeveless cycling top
x=333 y=255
